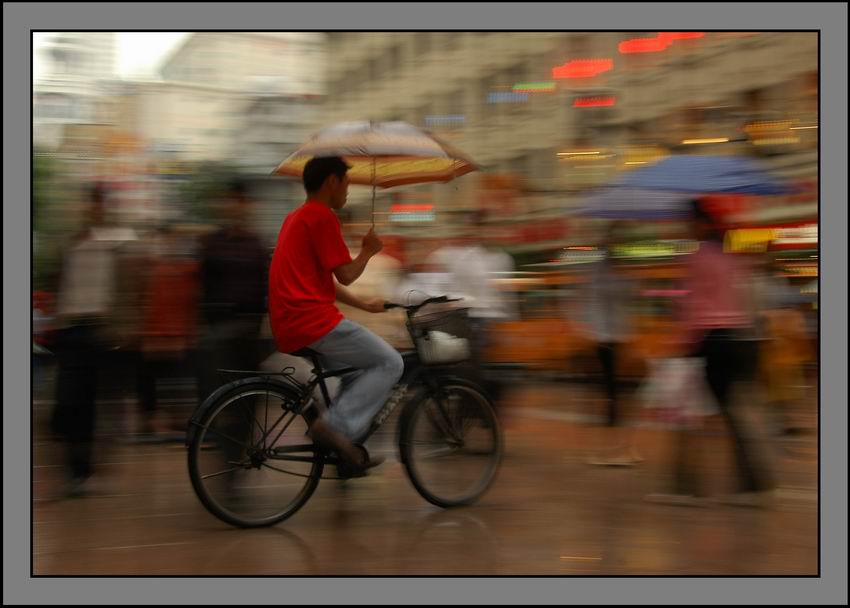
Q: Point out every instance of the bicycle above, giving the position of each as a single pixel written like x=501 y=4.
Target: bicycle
x=249 y=474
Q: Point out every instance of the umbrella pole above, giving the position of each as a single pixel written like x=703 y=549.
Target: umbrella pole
x=373 y=192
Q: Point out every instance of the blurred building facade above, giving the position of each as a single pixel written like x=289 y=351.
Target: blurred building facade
x=191 y=121
x=567 y=111
x=270 y=124
x=79 y=66
x=236 y=60
x=236 y=100
x=242 y=98
x=199 y=108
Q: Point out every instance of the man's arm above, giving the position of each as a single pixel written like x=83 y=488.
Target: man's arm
x=344 y=296
x=348 y=273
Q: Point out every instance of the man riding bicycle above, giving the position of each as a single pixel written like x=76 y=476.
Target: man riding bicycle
x=310 y=268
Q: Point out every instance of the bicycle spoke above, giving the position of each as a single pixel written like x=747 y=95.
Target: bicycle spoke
x=229 y=438
x=455 y=415
x=269 y=432
x=251 y=419
x=283 y=430
x=267 y=420
x=294 y=449
x=221 y=473
x=268 y=466
x=443 y=423
x=436 y=453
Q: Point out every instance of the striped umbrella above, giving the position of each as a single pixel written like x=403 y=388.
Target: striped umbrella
x=382 y=155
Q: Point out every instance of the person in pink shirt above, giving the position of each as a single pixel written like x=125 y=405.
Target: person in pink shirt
x=717 y=325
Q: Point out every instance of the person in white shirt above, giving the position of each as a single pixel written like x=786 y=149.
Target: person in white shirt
x=472 y=269
x=610 y=294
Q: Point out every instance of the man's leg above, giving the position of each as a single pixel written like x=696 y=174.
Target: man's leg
x=363 y=396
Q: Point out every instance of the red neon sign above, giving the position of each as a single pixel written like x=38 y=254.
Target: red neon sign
x=657 y=43
x=671 y=36
x=583 y=68
x=594 y=102
x=643 y=45
x=408 y=208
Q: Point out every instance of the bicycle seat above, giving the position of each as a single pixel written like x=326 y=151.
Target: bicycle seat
x=306 y=353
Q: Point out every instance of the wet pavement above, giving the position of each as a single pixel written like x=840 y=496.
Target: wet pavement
x=549 y=513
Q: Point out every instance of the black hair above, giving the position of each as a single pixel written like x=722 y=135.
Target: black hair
x=237 y=187
x=317 y=170
x=698 y=211
x=97 y=193
x=699 y=214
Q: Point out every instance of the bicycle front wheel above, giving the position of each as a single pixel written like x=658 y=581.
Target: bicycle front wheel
x=251 y=461
x=451 y=445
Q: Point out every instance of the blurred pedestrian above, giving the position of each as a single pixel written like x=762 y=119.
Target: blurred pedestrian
x=783 y=351
x=42 y=337
x=96 y=324
x=472 y=270
x=169 y=325
x=610 y=299
x=233 y=275
x=717 y=326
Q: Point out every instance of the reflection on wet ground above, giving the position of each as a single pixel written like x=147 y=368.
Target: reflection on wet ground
x=549 y=513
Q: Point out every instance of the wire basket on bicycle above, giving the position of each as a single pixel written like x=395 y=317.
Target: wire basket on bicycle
x=442 y=337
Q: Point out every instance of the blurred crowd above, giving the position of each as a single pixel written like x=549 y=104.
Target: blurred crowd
x=155 y=316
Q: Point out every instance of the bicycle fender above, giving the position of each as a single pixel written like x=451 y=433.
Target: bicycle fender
x=208 y=403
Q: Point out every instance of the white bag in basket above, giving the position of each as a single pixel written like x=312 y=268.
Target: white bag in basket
x=440 y=347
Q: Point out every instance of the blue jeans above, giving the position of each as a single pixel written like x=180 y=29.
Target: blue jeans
x=364 y=392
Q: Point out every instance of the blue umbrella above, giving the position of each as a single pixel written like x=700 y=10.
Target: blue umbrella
x=706 y=174
x=637 y=204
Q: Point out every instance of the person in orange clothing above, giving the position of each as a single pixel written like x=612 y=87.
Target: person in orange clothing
x=169 y=327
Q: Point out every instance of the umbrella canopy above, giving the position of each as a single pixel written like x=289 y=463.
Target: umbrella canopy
x=706 y=174
x=382 y=154
x=636 y=204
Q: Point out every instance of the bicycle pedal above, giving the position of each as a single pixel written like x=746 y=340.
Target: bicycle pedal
x=346 y=474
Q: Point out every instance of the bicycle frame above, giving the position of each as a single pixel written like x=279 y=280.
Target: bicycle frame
x=413 y=373
x=414 y=370
x=415 y=376
x=433 y=395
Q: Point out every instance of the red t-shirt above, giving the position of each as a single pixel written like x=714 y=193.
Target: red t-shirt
x=301 y=283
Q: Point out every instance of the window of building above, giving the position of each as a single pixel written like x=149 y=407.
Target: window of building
x=487 y=87
x=579 y=46
x=420 y=113
x=454 y=103
x=452 y=40
x=422 y=43
x=372 y=70
x=395 y=59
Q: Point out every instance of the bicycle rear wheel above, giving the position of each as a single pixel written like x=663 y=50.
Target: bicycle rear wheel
x=451 y=445
x=251 y=461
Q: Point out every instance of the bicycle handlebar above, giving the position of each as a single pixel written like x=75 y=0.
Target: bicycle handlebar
x=415 y=307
